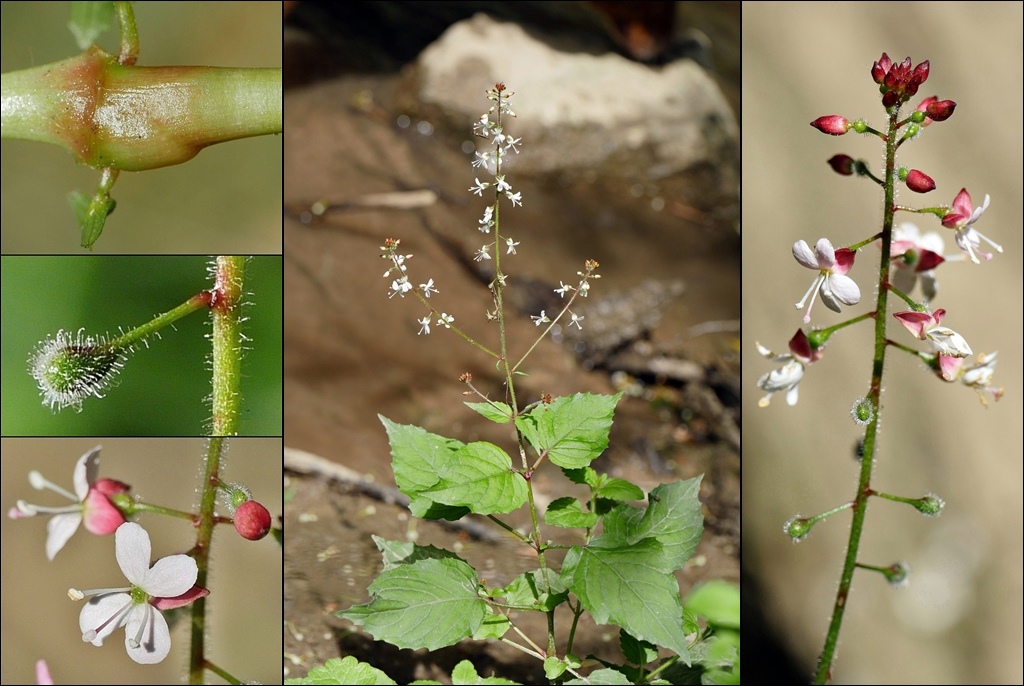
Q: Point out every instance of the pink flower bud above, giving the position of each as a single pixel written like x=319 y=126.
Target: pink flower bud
x=252 y=520
x=99 y=514
x=919 y=182
x=832 y=124
x=842 y=164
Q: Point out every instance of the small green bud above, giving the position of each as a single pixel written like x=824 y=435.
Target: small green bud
x=863 y=411
x=234 y=496
x=930 y=505
x=897 y=574
x=797 y=528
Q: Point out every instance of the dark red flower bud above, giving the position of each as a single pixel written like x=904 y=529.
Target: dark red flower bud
x=831 y=124
x=928 y=260
x=941 y=110
x=919 y=76
x=252 y=520
x=898 y=82
x=919 y=182
x=881 y=68
x=842 y=164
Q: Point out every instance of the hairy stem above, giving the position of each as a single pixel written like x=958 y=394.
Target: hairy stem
x=201 y=553
x=226 y=306
x=860 y=503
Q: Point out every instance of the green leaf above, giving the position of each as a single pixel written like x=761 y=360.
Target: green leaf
x=568 y=513
x=722 y=662
x=553 y=668
x=425 y=508
x=495 y=625
x=602 y=677
x=585 y=476
x=496 y=412
x=426 y=604
x=620 y=489
x=397 y=553
x=628 y=585
x=465 y=673
x=418 y=457
x=636 y=651
x=91 y=214
x=347 y=670
x=572 y=430
x=673 y=517
x=89 y=20
x=481 y=478
x=717 y=600
x=529 y=590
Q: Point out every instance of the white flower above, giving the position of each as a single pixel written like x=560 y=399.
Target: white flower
x=488 y=221
x=979 y=377
x=831 y=282
x=511 y=246
x=576 y=319
x=400 y=286
x=502 y=184
x=564 y=289
x=482 y=127
x=788 y=377
x=480 y=187
x=962 y=217
x=916 y=255
x=926 y=327
x=511 y=143
x=542 y=319
x=482 y=159
x=482 y=254
x=168 y=583
x=91 y=504
x=428 y=288
x=445 y=320
x=516 y=198
x=424 y=325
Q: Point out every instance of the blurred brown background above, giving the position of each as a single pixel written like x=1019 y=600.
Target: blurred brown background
x=959 y=621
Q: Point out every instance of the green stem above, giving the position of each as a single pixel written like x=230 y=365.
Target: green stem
x=132 y=118
x=201 y=554
x=860 y=503
x=161 y=510
x=226 y=307
x=222 y=673
x=129 y=33
x=136 y=335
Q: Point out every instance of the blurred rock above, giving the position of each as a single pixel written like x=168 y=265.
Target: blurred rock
x=583 y=107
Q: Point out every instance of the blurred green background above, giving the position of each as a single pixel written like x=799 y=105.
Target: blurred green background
x=226 y=200
x=38 y=620
x=164 y=389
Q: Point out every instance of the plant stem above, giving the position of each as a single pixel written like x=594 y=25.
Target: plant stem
x=226 y=307
x=860 y=503
x=201 y=553
x=136 y=335
x=109 y=114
